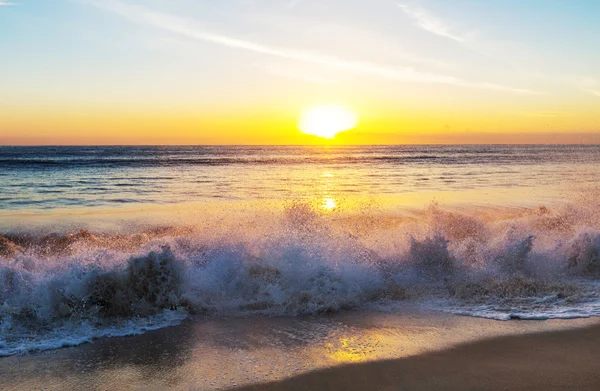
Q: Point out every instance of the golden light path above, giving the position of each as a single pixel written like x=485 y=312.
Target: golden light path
x=327 y=120
x=328 y=203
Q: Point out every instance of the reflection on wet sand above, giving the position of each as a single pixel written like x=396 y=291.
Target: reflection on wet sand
x=204 y=354
x=561 y=360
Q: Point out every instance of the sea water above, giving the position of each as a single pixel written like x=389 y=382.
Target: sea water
x=110 y=241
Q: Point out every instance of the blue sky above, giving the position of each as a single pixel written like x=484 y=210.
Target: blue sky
x=536 y=58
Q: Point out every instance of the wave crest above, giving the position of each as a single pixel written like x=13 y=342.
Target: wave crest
x=298 y=262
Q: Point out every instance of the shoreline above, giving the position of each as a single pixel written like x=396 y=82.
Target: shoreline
x=324 y=352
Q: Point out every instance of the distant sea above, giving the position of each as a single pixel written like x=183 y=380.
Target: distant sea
x=75 y=177
x=105 y=241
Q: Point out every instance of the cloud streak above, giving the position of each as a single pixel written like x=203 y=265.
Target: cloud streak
x=590 y=86
x=429 y=22
x=179 y=26
x=291 y=74
x=6 y=3
x=497 y=51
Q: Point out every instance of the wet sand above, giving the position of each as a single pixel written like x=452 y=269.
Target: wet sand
x=409 y=349
x=560 y=360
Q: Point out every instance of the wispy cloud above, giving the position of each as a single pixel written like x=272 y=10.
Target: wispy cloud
x=590 y=85
x=424 y=61
x=6 y=3
x=279 y=70
x=435 y=25
x=182 y=27
x=501 y=87
x=429 y=22
x=510 y=55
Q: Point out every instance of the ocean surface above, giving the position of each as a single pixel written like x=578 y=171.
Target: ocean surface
x=68 y=177
x=106 y=241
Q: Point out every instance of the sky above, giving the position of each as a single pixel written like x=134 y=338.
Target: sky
x=243 y=71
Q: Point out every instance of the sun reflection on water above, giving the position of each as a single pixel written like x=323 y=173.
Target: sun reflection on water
x=328 y=203
x=351 y=349
x=345 y=352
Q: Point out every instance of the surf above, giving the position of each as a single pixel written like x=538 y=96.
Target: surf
x=65 y=288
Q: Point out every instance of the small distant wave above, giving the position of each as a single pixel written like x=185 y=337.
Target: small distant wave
x=62 y=289
x=129 y=157
x=65 y=177
x=148 y=162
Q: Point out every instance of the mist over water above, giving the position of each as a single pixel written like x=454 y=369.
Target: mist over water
x=321 y=239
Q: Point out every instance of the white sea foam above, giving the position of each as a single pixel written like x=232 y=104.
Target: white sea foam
x=65 y=289
x=69 y=333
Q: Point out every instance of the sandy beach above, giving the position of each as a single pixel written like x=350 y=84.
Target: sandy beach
x=560 y=360
x=408 y=350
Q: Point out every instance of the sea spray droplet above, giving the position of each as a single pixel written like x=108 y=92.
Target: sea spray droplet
x=301 y=261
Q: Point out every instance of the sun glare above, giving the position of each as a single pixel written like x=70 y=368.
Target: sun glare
x=328 y=203
x=327 y=120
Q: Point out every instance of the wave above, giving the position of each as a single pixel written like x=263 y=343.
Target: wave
x=61 y=289
x=124 y=162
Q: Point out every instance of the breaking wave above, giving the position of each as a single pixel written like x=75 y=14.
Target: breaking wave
x=63 y=289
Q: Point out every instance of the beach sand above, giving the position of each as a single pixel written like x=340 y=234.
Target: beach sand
x=559 y=360
x=410 y=349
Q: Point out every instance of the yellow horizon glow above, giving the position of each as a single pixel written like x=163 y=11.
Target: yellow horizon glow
x=278 y=124
x=327 y=120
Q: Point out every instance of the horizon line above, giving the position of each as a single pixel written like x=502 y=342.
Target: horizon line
x=289 y=145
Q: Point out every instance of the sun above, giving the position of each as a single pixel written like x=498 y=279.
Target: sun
x=327 y=120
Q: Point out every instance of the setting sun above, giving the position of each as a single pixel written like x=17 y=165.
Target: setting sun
x=327 y=120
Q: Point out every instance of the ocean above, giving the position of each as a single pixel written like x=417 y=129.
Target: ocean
x=76 y=177
x=112 y=241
